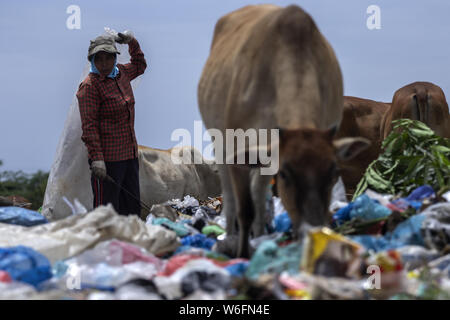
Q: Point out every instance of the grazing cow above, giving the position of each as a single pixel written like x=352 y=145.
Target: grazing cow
x=160 y=179
x=361 y=118
x=422 y=101
x=270 y=67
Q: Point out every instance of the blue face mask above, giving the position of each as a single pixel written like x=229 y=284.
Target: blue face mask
x=112 y=75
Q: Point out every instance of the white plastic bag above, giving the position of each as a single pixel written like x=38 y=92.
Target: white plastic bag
x=70 y=173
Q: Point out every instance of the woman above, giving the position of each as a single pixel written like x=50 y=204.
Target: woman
x=106 y=103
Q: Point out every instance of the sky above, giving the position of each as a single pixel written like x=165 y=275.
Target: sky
x=42 y=60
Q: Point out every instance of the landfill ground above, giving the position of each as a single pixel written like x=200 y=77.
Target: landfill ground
x=376 y=247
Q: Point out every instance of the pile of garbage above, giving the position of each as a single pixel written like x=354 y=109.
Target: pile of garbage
x=377 y=247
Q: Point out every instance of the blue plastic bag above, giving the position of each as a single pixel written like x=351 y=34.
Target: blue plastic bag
x=406 y=233
x=25 y=264
x=198 y=241
x=282 y=222
x=21 y=216
x=365 y=208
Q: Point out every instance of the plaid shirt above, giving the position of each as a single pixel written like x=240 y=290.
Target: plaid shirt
x=107 y=110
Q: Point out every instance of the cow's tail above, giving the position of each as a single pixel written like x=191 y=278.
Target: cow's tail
x=420 y=108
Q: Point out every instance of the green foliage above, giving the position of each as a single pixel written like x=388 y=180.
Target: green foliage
x=30 y=186
x=413 y=156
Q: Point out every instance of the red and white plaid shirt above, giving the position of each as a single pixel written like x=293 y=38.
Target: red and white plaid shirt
x=107 y=110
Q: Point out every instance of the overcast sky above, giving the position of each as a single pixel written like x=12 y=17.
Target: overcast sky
x=42 y=60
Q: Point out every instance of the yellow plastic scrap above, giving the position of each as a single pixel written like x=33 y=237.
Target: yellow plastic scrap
x=298 y=294
x=318 y=241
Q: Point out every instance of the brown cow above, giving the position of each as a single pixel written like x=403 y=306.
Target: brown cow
x=361 y=118
x=270 y=67
x=422 y=101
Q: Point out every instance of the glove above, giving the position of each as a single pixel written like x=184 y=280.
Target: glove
x=124 y=37
x=98 y=169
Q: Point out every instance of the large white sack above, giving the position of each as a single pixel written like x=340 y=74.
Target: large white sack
x=70 y=173
x=71 y=236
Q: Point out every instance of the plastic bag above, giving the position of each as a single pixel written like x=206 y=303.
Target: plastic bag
x=70 y=174
x=21 y=216
x=330 y=254
x=25 y=265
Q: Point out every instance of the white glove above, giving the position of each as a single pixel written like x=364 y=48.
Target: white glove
x=98 y=169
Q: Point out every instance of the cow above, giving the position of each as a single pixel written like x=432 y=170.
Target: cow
x=161 y=179
x=360 y=118
x=423 y=101
x=270 y=68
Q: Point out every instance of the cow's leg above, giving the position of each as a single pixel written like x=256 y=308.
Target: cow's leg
x=240 y=179
x=259 y=192
x=228 y=206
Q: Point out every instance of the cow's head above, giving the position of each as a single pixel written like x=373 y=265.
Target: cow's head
x=308 y=171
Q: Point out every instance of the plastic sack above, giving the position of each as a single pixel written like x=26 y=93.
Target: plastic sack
x=21 y=216
x=25 y=265
x=70 y=174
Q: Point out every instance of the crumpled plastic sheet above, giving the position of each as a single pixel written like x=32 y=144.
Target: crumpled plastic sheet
x=71 y=236
x=21 y=216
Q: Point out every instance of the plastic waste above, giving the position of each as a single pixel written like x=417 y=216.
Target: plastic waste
x=25 y=264
x=179 y=229
x=237 y=269
x=199 y=241
x=446 y=196
x=282 y=222
x=204 y=280
x=414 y=257
x=21 y=216
x=330 y=254
x=366 y=209
x=213 y=230
x=271 y=258
x=170 y=282
x=436 y=226
x=110 y=264
x=138 y=289
x=256 y=242
x=76 y=207
x=5 y=277
x=406 y=233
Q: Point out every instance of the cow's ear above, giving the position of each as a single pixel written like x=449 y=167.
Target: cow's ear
x=348 y=148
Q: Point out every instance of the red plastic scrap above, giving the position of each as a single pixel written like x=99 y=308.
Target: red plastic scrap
x=178 y=261
x=5 y=277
